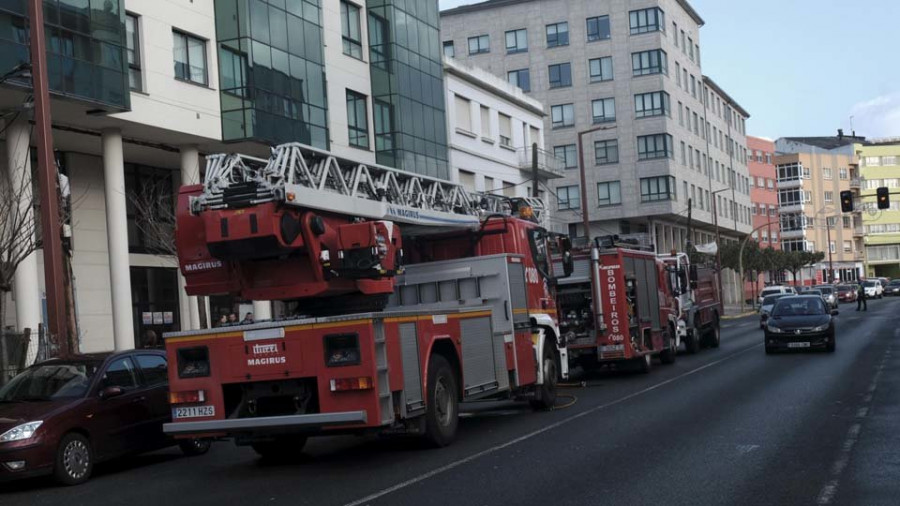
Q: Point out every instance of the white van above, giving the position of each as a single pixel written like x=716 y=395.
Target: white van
x=775 y=290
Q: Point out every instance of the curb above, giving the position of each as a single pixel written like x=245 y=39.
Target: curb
x=738 y=316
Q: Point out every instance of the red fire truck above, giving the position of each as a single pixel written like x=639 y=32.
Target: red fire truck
x=625 y=306
x=386 y=330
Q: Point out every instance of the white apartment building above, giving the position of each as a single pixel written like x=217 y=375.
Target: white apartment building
x=179 y=79
x=492 y=125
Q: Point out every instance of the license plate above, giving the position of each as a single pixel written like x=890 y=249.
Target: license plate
x=193 y=412
x=612 y=347
x=798 y=345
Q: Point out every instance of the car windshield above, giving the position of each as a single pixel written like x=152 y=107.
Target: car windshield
x=49 y=381
x=894 y=282
x=869 y=284
x=813 y=292
x=765 y=293
x=770 y=299
x=827 y=290
x=799 y=306
x=844 y=288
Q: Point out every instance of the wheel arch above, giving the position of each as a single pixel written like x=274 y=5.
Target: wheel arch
x=446 y=349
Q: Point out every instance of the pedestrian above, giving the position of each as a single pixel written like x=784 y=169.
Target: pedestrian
x=247 y=319
x=222 y=321
x=232 y=318
x=861 y=298
x=151 y=340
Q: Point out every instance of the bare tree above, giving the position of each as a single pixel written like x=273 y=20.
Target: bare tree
x=18 y=227
x=154 y=207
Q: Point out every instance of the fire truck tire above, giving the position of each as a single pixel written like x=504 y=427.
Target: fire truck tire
x=442 y=412
x=547 y=391
x=667 y=356
x=644 y=364
x=194 y=447
x=282 y=448
x=692 y=342
x=714 y=336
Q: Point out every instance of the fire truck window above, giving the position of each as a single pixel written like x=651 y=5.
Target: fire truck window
x=538 y=242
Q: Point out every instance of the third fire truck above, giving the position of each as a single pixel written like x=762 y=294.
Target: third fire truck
x=623 y=305
x=405 y=296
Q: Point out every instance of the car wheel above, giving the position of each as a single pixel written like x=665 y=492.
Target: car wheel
x=74 y=460
x=194 y=447
x=831 y=345
x=769 y=350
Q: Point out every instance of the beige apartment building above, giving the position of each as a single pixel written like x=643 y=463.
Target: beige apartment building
x=811 y=172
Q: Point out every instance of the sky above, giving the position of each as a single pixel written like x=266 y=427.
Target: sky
x=803 y=67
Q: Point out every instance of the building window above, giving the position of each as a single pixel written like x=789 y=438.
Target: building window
x=516 y=41
x=609 y=194
x=647 y=20
x=384 y=139
x=603 y=110
x=463 y=113
x=567 y=155
x=598 y=28
x=649 y=62
x=449 y=49
x=350 y=31
x=569 y=197
x=651 y=104
x=190 y=58
x=606 y=152
x=149 y=201
x=505 y=124
x=520 y=78
x=558 y=34
x=600 y=69
x=843 y=173
x=562 y=115
x=675 y=32
x=651 y=147
x=357 y=122
x=486 y=123
x=827 y=174
x=479 y=44
x=560 y=75
x=691 y=48
x=829 y=197
x=133 y=49
x=659 y=188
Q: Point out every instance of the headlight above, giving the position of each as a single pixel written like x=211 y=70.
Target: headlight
x=773 y=329
x=18 y=433
x=821 y=328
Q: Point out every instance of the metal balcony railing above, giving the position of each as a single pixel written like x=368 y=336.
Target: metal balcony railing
x=549 y=166
x=855 y=183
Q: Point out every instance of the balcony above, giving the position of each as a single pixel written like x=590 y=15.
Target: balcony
x=792 y=234
x=859 y=231
x=855 y=183
x=790 y=208
x=790 y=183
x=549 y=166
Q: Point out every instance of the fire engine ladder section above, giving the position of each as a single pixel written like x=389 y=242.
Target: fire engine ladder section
x=454 y=288
x=298 y=175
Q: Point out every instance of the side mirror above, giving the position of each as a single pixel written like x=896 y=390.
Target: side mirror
x=110 y=392
x=835 y=312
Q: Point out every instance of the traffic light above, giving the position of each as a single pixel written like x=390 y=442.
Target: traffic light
x=846 y=201
x=884 y=198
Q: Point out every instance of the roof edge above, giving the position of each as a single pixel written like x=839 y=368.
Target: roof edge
x=691 y=12
x=486 y=4
x=712 y=84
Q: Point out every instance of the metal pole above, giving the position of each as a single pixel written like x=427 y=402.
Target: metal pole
x=741 y=259
x=47 y=176
x=584 y=206
x=830 y=262
x=534 y=170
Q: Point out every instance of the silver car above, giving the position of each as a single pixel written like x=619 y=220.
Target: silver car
x=766 y=307
x=829 y=294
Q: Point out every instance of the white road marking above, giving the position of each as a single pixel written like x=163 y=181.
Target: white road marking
x=533 y=434
x=826 y=495
x=745 y=449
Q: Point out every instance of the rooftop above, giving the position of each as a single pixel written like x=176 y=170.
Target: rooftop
x=732 y=102
x=832 y=142
x=491 y=4
x=493 y=84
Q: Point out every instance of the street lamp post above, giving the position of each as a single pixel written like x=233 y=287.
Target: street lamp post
x=582 y=173
x=718 y=239
x=741 y=258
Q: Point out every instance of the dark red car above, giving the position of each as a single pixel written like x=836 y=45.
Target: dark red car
x=846 y=293
x=62 y=416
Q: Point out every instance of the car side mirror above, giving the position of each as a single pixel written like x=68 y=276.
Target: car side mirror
x=110 y=392
x=835 y=312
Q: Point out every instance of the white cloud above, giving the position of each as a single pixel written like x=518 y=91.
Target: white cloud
x=878 y=117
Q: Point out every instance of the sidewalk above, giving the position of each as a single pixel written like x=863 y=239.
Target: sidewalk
x=733 y=311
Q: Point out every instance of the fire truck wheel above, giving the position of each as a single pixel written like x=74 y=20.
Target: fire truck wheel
x=442 y=413
x=194 y=447
x=667 y=356
x=692 y=342
x=547 y=391
x=714 y=336
x=281 y=448
x=644 y=364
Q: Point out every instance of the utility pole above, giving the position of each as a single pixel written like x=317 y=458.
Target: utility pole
x=830 y=262
x=690 y=230
x=534 y=170
x=582 y=172
x=48 y=179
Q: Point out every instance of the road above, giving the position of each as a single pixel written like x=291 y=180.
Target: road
x=728 y=426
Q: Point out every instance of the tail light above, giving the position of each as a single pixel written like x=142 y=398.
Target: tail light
x=348 y=384
x=342 y=350
x=193 y=362
x=192 y=396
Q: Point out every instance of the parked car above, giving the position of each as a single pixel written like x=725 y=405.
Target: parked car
x=801 y=322
x=893 y=287
x=845 y=293
x=884 y=282
x=766 y=307
x=830 y=295
x=773 y=290
x=873 y=288
x=62 y=416
x=816 y=291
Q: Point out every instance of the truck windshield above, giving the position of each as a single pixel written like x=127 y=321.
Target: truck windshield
x=537 y=239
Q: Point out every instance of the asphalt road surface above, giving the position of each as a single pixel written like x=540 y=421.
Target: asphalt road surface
x=728 y=426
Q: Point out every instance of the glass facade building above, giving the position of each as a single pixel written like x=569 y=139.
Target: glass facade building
x=272 y=71
x=407 y=86
x=86 y=46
